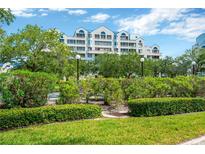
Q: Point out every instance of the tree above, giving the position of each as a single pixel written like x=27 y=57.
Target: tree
x=108 y=65
x=35 y=49
x=6 y=16
x=88 y=67
x=129 y=64
x=185 y=60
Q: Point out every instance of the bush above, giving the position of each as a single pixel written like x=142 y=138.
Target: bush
x=112 y=92
x=149 y=87
x=26 y=89
x=69 y=92
x=165 y=106
x=109 y=88
x=11 y=118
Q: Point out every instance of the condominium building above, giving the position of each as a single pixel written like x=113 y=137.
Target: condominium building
x=90 y=44
x=200 y=41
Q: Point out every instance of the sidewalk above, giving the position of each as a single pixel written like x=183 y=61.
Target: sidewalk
x=196 y=141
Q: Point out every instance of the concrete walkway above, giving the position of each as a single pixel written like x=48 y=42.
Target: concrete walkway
x=108 y=112
x=196 y=141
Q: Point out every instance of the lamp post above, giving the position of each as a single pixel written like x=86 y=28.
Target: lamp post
x=142 y=66
x=77 y=57
x=193 y=67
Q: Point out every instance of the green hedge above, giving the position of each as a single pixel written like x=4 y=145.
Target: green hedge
x=11 y=118
x=165 y=106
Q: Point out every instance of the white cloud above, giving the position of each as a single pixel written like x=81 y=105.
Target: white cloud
x=180 y=22
x=23 y=12
x=43 y=10
x=100 y=18
x=77 y=12
x=187 y=29
x=58 y=9
x=44 y=14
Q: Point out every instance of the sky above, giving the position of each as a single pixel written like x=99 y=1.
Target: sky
x=174 y=30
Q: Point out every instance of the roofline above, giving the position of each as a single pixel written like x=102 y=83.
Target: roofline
x=104 y=27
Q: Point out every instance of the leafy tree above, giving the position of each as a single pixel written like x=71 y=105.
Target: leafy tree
x=108 y=65
x=6 y=16
x=36 y=50
x=88 y=67
x=129 y=64
x=185 y=60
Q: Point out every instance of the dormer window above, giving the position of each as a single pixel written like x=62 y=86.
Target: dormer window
x=81 y=34
x=123 y=36
x=140 y=43
x=155 y=50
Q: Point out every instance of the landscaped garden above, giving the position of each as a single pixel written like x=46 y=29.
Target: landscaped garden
x=162 y=109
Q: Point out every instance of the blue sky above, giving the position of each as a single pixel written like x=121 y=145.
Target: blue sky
x=174 y=30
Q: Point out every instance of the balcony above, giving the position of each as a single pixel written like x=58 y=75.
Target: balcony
x=80 y=35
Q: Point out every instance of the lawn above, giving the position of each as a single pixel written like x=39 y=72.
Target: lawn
x=150 y=130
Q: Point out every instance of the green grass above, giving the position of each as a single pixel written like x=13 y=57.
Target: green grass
x=150 y=130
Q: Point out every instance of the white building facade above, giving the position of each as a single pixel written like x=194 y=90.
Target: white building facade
x=90 y=44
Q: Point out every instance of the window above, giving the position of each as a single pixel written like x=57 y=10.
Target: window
x=140 y=50
x=124 y=50
x=103 y=35
x=103 y=43
x=123 y=36
x=71 y=41
x=61 y=40
x=80 y=48
x=80 y=42
x=89 y=55
x=109 y=37
x=155 y=57
x=97 y=36
x=81 y=32
x=103 y=49
x=140 y=43
x=132 y=44
x=155 y=50
x=124 y=44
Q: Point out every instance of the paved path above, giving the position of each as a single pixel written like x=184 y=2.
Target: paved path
x=196 y=141
x=109 y=112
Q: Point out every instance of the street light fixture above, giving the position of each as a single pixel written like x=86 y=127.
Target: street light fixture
x=193 y=67
x=142 y=66
x=77 y=57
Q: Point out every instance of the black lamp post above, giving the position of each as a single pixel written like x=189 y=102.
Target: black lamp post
x=193 y=67
x=78 y=61
x=142 y=66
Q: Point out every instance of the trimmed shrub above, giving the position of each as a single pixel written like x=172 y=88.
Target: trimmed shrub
x=11 y=118
x=69 y=92
x=26 y=89
x=165 y=106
